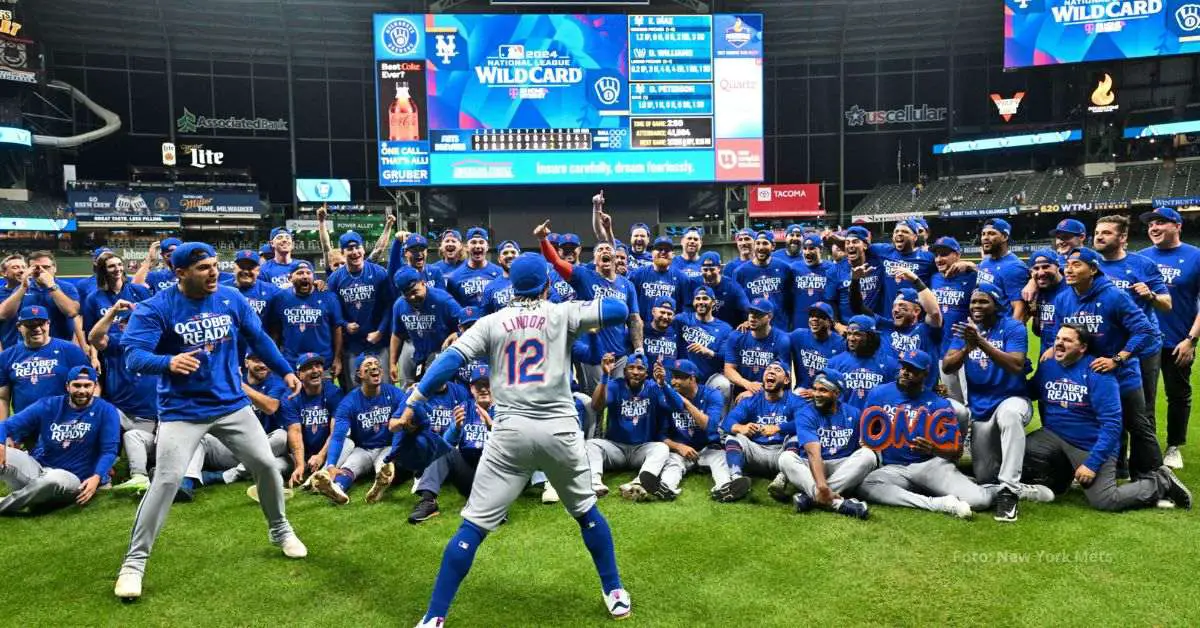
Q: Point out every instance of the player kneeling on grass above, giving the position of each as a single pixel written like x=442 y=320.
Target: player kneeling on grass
x=631 y=439
x=469 y=432
x=689 y=419
x=78 y=436
x=363 y=416
x=917 y=436
x=441 y=408
x=833 y=461
x=755 y=430
x=992 y=349
x=1081 y=432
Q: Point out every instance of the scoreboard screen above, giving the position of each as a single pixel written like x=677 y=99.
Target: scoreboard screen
x=564 y=99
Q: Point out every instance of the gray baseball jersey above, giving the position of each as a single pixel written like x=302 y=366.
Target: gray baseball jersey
x=528 y=348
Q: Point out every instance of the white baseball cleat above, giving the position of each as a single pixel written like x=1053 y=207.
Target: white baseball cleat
x=327 y=487
x=432 y=622
x=952 y=505
x=633 y=491
x=600 y=489
x=128 y=587
x=618 y=603
x=252 y=492
x=383 y=479
x=1173 y=458
x=549 y=495
x=293 y=548
x=1036 y=493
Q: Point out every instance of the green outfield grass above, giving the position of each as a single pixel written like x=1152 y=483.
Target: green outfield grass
x=690 y=563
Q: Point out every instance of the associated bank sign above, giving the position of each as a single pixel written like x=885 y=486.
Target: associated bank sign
x=190 y=123
x=909 y=114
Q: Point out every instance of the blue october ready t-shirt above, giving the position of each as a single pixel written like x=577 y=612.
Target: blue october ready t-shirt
x=32 y=374
x=135 y=394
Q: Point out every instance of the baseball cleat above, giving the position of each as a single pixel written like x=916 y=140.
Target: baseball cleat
x=649 y=482
x=292 y=547
x=307 y=486
x=665 y=493
x=185 y=495
x=327 y=487
x=424 y=510
x=954 y=506
x=853 y=508
x=600 y=489
x=1036 y=493
x=1006 y=506
x=618 y=603
x=128 y=587
x=733 y=490
x=778 y=489
x=383 y=479
x=549 y=495
x=135 y=485
x=1173 y=458
x=633 y=492
x=1164 y=504
x=432 y=622
x=802 y=502
x=1176 y=491
x=252 y=493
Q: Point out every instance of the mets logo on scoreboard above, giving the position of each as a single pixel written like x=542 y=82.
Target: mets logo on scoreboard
x=400 y=36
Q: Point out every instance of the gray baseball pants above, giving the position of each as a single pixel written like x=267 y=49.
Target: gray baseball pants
x=32 y=484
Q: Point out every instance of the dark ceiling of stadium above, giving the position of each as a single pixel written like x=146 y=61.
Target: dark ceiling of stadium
x=338 y=31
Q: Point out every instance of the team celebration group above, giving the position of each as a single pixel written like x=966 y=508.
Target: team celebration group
x=844 y=372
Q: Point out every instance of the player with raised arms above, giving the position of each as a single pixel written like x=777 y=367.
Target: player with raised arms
x=528 y=345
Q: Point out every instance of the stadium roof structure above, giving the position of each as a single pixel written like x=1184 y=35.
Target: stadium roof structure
x=337 y=32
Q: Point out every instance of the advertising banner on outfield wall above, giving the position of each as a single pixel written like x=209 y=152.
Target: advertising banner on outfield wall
x=1179 y=201
x=131 y=206
x=1093 y=206
x=978 y=212
x=784 y=200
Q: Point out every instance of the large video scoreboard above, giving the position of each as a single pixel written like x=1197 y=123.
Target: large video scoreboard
x=546 y=99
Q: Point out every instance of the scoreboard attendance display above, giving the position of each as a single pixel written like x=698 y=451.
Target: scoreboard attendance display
x=544 y=99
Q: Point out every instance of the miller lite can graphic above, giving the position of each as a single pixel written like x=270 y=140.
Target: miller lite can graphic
x=168 y=153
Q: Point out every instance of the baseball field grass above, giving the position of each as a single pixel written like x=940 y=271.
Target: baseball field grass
x=689 y=563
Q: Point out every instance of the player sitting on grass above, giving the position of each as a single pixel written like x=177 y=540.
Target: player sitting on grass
x=1081 y=429
x=688 y=421
x=363 y=416
x=631 y=439
x=78 y=435
x=755 y=430
x=440 y=408
x=827 y=459
x=469 y=432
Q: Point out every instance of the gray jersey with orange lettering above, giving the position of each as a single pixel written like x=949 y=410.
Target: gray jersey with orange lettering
x=527 y=346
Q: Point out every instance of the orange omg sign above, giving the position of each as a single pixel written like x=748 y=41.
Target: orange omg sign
x=884 y=427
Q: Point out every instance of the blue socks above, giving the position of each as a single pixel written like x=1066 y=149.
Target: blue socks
x=734 y=456
x=187 y=484
x=344 y=480
x=597 y=537
x=456 y=562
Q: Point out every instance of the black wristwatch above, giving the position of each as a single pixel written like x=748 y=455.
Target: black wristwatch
x=1118 y=359
x=1193 y=340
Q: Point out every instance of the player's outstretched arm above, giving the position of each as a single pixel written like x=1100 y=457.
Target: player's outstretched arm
x=438 y=374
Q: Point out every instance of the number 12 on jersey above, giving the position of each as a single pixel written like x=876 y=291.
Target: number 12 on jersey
x=525 y=362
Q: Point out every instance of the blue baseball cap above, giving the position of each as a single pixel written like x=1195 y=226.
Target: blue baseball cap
x=638 y=357
x=859 y=233
x=813 y=240
x=416 y=241
x=479 y=372
x=477 y=232
x=999 y=224
x=308 y=358
x=1069 y=226
x=348 y=238
x=762 y=306
x=1162 y=213
x=553 y=238
x=917 y=359
x=861 y=322
x=1048 y=256
x=639 y=225
x=910 y=224
x=946 y=243
x=404 y=279
x=528 y=274
x=451 y=233
x=190 y=253
x=909 y=295
x=832 y=378
x=769 y=236
x=33 y=313
x=823 y=308
x=781 y=365
x=164 y=247
x=301 y=265
x=362 y=358
x=991 y=290
x=247 y=256
x=509 y=244
x=85 y=373
x=696 y=230
x=685 y=367
x=793 y=228
x=703 y=290
x=748 y=232
x=663 y=242
x=278 y=231
x=266 y=250
x=666 y=302
x=97 y=252
x=921 y=222
x=710 y=258
x=1085 y=255
x=469 y=314
x=568 y=239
